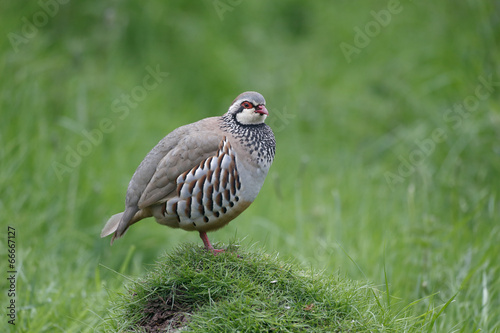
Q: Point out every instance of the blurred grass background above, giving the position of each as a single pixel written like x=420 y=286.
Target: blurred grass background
x=342 y=124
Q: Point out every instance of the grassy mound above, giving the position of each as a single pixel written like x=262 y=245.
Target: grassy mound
x=193 y=290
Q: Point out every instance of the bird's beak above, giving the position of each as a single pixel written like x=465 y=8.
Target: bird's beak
x=261 y=109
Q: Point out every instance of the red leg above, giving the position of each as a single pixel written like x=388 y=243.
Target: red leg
x=208 y=246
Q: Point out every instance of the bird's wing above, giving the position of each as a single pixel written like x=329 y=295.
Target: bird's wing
x=192 y=145
x=155 y=177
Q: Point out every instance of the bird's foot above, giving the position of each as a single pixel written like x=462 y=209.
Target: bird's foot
x=216 y=251
x=208 y=246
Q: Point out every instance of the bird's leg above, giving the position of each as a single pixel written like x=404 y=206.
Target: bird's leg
x=208 y=246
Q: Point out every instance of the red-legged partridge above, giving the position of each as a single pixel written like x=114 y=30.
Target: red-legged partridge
x=202 y=175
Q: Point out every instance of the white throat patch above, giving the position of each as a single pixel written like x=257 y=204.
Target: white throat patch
x=249 y=116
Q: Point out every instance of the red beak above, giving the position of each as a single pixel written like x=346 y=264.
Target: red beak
x=261 y=109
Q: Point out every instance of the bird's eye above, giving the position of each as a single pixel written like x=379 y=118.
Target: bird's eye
x=247 y=105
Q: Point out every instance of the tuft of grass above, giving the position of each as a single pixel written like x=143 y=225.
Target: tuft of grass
x=249 y=290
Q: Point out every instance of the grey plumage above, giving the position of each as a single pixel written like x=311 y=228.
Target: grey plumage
x=202 y=175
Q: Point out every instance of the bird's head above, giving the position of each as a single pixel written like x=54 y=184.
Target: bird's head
x=249 y=108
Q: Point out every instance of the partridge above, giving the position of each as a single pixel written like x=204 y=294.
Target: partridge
x=202 y=175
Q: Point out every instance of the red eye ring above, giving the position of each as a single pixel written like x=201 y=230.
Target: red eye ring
x=247 y=105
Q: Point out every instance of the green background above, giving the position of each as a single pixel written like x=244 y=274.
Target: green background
x=388 y=154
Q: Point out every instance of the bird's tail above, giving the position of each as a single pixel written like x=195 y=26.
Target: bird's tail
x=111 y=226
x=118 y=224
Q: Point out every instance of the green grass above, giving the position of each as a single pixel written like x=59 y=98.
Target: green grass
x=432 y=235
x=249 y=290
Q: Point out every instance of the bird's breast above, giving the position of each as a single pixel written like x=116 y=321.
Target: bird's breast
x=209 y=195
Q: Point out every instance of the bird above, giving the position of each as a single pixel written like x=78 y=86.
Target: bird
x=202 y=175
